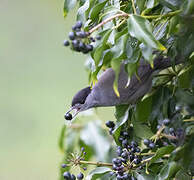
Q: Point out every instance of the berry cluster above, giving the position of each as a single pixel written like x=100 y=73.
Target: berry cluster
x=128 y=157
x=80 y=40
x=68 y=176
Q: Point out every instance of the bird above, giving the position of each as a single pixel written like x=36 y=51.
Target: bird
x=102 y=93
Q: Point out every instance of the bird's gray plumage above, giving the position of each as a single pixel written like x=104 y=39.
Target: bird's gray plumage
x=102 y=94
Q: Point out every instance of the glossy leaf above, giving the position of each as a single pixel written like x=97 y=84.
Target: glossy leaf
x=140 y=28
x=168 y=171
x=68 y=5
x=97 y=173
x=96 y=10
x=161 y=152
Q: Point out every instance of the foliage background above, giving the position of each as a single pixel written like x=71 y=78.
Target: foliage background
x=38 y=78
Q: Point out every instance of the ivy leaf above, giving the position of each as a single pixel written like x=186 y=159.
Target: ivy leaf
x=168 y=171
x=97 y=55
x=97 y=173
x=68 y=5
x=140 y=28
x=96 y=10
x=161 y=152
x=122 y=115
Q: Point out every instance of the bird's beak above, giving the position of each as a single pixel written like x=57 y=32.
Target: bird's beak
x=74 y=111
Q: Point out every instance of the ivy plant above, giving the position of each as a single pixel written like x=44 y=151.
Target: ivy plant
x=153 y=138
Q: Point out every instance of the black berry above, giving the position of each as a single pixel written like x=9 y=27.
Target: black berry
x=64 y=165
x=73 y=177
x=166 y=122
x=71 y=35
x=110 y=124
x=66 y=43
x=78 y=24
x=67 y=175
x=80 y=176
x=68 y=116
x=146 y=142
x=152 y=145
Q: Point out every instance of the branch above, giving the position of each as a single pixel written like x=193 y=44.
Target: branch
x=107 y=20
x=95 y=163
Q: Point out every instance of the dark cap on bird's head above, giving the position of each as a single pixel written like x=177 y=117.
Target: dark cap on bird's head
x=78 y=101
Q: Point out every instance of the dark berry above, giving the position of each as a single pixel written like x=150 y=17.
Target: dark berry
x=111 y=131
x=73 y=177
x=75 y=43
x=89 y=47
x=133 y=143
x=131 y=157
x=66 y=43
x=124 y=154
x=68 y=116
x=78 y=24
x=67 y=175
x=98 y=37
x=64 y=165
x=80 y=176
x=146 y=142
x=166 y=122
x=137 y=150
x=121 y=139
x=81 y=34
x=110 y=124
x=125 y=134
x=171 y=131
x=152 y=145
x=74 y=28
x=71 y=35
x=136 y=161
x=84 y=168
x=124 y=143
x=82 y=46
x=82 y=149
x=92 y=39
x=158 y=127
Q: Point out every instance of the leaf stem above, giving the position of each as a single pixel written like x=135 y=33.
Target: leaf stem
x=133 y=5
x=96 y=163
x=163 y=15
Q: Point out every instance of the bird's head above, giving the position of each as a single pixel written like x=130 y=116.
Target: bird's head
x=78 y=103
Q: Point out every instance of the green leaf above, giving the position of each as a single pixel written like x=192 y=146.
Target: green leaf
x=97 y=55
x=161 y=152
x=141 y=130
x=96 y=10
x=144 y=176
x=122 y=115
x=131 y=68
x=182 y=175
x=169 y=171
x=143 y=109
x=116 y=64
x=97 y=173
x=147 y=52
x=68 y=5
x=140 y=28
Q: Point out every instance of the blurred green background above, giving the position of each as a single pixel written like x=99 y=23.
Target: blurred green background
x=38 y=77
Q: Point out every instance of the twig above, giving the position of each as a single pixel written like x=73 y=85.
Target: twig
x=95 y=163
x=107 y=20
